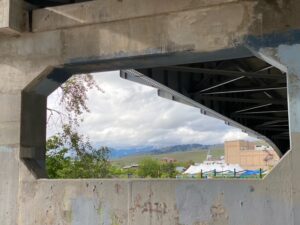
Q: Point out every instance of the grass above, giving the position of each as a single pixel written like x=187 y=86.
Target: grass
x=197 y=156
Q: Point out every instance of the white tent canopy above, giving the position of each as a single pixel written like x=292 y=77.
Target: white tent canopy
x=213 y=167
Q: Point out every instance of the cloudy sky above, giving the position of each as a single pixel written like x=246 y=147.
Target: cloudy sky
x=129 y=114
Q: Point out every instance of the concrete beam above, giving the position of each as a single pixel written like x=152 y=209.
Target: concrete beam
x=255 y=17
x=173 y=38
x=102 y=11
x=187 y=33
x=13 y=18
x=199 y=30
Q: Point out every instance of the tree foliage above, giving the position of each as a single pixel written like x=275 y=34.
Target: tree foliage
x=74 y=97
x=168 y=170
x=152 y=168
x=149 y=167
x=62 y=164
x=69 y=153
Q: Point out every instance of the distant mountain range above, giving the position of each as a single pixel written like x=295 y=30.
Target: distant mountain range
x=152 y=150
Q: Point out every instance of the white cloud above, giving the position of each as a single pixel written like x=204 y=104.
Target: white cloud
x=130 y=114
x=235 y=134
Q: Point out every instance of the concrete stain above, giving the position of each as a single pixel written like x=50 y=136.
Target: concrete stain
x=68 y=216
x=218 y=214
x=5 y=149
x=116 y=220
x=89 y=211
x=278 y=5
x=118 y=188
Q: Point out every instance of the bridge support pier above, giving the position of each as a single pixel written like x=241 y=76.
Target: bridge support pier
x=289 y=56
x=31 y=200
x=286 y=58
x=91 y=37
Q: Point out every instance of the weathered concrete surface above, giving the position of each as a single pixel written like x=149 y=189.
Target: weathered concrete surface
x=286 y=57
x=224 y=22
x=13 y=17
x=262 y=16
x=135 y=202
x=163 y=34
x=98 y=11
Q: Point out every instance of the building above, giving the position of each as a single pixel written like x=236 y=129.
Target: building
x=249 y=155
x=132 y=166
x=180 y=169
x=168 y=160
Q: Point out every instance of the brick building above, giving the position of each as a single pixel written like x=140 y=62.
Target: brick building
x=249 y=155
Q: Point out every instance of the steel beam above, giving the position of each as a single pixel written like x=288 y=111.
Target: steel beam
x=254 y=107
x=257 y=117
x=267 y=112
x=224 y=72
x=272 y=129
x=274 y=122
x=219 y=85
x=243 y=90
x=244 y=100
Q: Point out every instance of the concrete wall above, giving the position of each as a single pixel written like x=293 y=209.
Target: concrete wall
x=34 y=64
x=174 y=202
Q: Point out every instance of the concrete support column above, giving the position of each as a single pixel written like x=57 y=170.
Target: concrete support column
x=289 y=56
x=33 y=132
x=10 y=102
x=286 y=57
x=17 y=71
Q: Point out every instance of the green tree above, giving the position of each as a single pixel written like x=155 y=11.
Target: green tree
x=92 y=165
x=86 y=161
x=60 y=164
x=149 y=167
x=55 y=158
x=168 y=170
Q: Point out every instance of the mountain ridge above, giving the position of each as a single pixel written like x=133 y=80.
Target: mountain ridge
x=151 y=150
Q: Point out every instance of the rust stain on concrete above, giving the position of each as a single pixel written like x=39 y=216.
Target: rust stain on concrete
x=118 y=188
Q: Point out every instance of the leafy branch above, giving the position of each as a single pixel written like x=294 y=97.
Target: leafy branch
x=89 y=162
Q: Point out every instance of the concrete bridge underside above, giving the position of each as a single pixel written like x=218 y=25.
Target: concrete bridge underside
x=237 y=60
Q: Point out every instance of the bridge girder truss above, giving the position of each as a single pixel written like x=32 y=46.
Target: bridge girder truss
x=247 y=93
